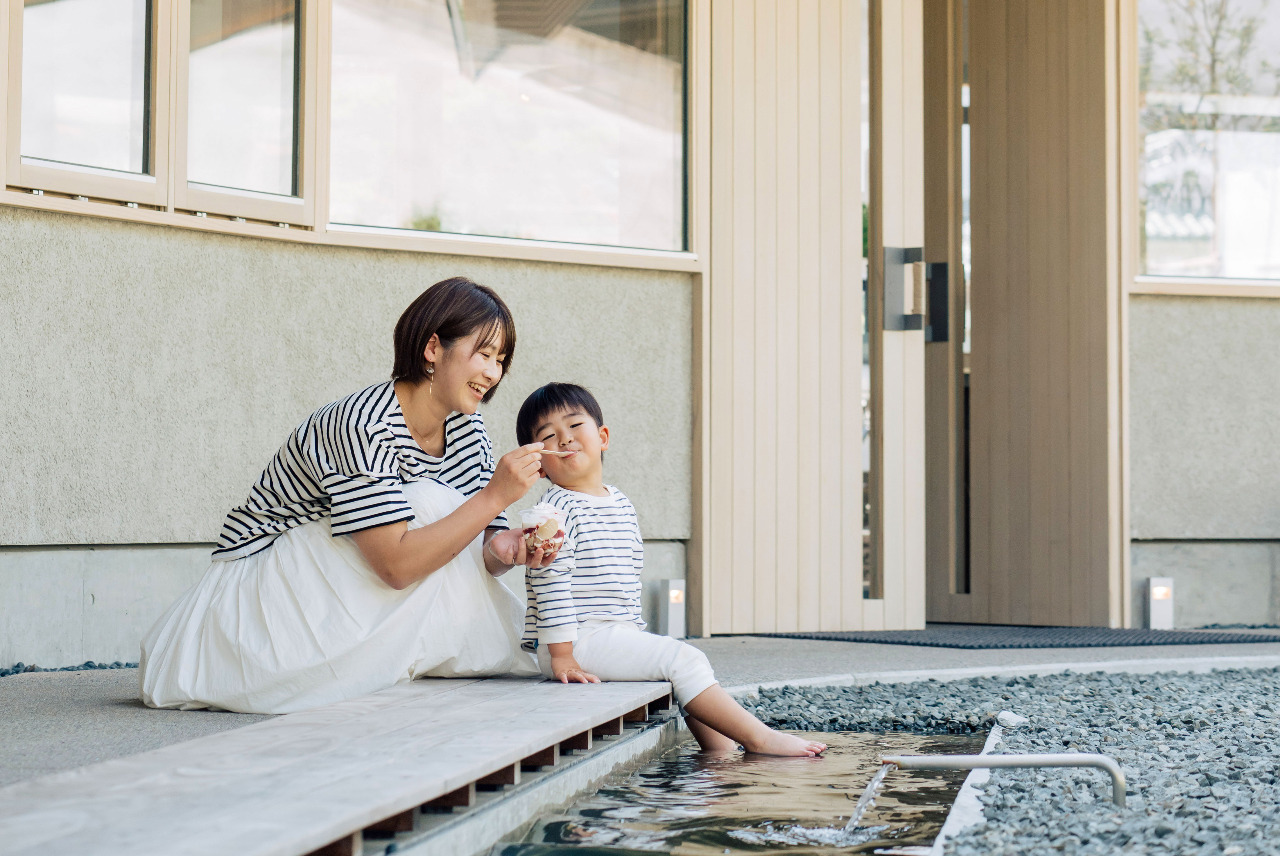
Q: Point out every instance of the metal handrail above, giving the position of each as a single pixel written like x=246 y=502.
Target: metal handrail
x=974 y=762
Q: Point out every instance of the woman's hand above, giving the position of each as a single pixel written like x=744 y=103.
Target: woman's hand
x=509 y=548
x=516 y=472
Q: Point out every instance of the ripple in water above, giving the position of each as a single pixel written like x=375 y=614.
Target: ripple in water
x=689 y=804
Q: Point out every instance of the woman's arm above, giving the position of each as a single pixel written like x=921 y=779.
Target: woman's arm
x=401 y=556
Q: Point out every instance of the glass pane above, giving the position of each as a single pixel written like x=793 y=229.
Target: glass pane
x=1210 y=121
x=242 y=92
x=84 y=83
x=557 y=120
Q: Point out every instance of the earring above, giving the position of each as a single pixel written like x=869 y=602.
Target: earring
x=431 y=370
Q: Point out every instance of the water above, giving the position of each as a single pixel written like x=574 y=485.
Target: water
x=689 y=804
x=868 y=798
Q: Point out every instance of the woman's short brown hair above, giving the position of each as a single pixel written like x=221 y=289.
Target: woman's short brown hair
x=452 y=309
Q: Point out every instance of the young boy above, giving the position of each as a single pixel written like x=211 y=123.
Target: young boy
x=583 y=617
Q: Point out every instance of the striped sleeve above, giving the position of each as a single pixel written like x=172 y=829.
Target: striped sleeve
x=359 y=502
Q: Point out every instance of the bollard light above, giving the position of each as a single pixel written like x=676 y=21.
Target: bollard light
x=1159 y=603
x=671 y=608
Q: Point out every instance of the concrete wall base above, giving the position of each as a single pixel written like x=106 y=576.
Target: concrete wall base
x=61 y=606
x=1214 y=582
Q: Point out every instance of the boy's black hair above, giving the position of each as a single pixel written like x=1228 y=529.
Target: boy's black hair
x=553 y=398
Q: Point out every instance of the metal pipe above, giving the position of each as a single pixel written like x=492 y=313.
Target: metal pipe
x=974 y=762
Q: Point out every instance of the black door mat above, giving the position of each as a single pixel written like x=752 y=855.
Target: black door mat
x=1003 y=636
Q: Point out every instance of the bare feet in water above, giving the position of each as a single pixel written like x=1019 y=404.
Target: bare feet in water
x=778 y=743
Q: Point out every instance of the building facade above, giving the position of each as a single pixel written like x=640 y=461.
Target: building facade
x=930 y=310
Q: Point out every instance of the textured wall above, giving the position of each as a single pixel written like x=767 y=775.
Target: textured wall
x=1204 y=406
x=149 y=373
x=1215 y=582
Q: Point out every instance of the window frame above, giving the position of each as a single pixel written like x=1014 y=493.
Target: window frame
x=150 y=189
x=194 y=198
x=76 y=192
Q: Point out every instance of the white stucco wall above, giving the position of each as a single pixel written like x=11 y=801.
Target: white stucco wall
x=147 y=374
x=1204 y=406
x=150 y=373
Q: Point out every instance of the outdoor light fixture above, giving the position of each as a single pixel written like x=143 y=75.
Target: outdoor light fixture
x=671 y=608
x=1159 y=603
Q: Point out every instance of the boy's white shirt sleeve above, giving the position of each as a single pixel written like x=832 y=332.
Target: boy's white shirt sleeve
x=553 y=591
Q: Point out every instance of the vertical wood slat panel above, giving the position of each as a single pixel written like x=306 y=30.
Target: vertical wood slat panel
x=831 y=562
x=1040 y=382
x=1059 y=404
x=766 y=455
x=1079 y=162
x=778 y=357
x=789 y=322
x=1047 y=324
x=744 y=272
x=807 y=577
x=1016 y=263
x=718 y=575
x=1104 y=327
x=851 y=313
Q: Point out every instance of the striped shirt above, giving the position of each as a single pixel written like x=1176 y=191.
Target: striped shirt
x=595 y=576
x=347 y=462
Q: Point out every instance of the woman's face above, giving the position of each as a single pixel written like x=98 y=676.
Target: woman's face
x=465 y=373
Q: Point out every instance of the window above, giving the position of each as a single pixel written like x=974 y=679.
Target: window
x=1210 y=125
x=241 y=95
x=559 y=121
x=242 y=65
x=91 y=98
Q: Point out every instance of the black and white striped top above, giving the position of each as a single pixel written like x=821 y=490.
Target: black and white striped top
x=347 y=462
x=596 y=575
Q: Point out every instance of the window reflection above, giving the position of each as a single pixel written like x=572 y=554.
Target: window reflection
x=84 y=83
x=544 y=119
x=242 y=92
x=1210 y=120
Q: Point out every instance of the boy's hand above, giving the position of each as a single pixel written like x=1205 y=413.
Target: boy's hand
x=509 y=548
x=567 y=670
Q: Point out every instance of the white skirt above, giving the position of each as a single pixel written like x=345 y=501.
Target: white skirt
x=307 y=622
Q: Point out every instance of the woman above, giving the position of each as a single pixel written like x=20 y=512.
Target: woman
x=366 y=552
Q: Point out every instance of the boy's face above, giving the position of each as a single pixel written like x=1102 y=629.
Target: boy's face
x=572 y=430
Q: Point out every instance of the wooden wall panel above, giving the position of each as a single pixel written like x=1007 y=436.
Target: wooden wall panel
x=784 y=357
x=1046 y=481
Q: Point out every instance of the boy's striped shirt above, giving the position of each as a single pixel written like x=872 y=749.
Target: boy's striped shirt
x=597 y=573
x=347 y=462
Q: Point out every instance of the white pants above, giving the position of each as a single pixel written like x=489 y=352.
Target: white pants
x=621 y=651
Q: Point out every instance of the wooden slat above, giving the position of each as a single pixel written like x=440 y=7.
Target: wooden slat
x=392 y=826
x=790 y=328
x=1059 y=404
x=295 y=783
x=722 y=572
x=1039 y=319
x=348 y=845
x=1079 y=165
x=612 y=728
x=548 y=756
x=764 y=530
x=463 y=797
x=1017 y=270
x=500 y=778
x=806 y=296
x=829 y=406
x=850 y=345
x=743 y=426
x=576 y=743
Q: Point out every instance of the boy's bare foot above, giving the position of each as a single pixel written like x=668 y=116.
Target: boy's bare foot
x=778 y=743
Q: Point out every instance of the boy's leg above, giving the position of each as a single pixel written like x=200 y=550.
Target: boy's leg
x=620 y=651
x=716 y=709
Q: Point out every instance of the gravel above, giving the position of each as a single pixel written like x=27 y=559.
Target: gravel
x=1198 y=751
x=19 y=668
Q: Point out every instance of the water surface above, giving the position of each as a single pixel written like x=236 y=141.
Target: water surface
x=689 y=804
